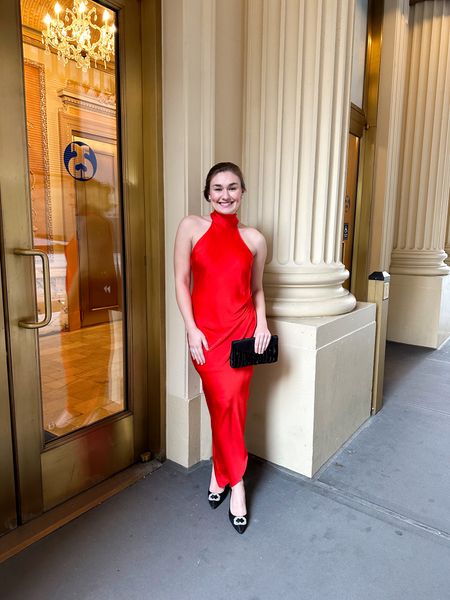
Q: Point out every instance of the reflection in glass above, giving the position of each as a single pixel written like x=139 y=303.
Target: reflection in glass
x=76 y=216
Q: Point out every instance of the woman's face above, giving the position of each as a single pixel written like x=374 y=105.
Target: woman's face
x=225 y=192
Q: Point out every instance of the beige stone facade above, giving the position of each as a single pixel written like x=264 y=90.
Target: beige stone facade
x=267 y=85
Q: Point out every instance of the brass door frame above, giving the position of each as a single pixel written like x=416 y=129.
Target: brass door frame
x=365 y=122
x=24 y=378
x=154 y=221
x=34 y=463
x=8 y=509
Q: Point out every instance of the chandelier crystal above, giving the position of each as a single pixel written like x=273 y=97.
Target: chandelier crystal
x=77 y=36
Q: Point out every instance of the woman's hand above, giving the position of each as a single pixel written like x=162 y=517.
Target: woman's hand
x=262 y=338
x=196 y=341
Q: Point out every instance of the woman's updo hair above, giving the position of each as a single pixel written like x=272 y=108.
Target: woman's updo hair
x=221 y=168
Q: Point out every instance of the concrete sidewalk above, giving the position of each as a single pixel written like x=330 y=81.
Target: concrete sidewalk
x=373 y=525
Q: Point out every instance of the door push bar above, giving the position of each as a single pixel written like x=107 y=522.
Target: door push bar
x=47 y=292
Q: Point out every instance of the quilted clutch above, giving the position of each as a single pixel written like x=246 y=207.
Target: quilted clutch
x=243 y=353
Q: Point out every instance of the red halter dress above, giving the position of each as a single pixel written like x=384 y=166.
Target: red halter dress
x=221 y=266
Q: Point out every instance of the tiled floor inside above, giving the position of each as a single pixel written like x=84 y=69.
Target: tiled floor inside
x=81 y=376
x=373 y=525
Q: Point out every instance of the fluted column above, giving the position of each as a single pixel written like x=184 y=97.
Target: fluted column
x=419 y=306
x=425 y=174
x=298 y=67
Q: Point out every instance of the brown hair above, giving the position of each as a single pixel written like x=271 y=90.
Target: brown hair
x=221 y=168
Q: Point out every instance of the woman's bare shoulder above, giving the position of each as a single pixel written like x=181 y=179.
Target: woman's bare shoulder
x=251 y=233
x=253 y=238
x=194 y=223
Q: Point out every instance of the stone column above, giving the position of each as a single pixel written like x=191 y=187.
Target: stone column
x=387 y=162
x=418 y=268
x=297 y=105
x=390 y=118
x=297 y=114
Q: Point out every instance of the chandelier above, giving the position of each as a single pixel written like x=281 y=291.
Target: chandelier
x=78 y=37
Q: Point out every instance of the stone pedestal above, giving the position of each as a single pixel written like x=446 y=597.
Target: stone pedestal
x=419 y=310
x=303 y=408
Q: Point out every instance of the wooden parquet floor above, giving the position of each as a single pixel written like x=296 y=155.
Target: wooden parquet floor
x=82 y=377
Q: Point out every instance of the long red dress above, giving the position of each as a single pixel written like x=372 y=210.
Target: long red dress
x=221 y=266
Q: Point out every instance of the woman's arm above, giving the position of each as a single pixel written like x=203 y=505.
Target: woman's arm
x=262 y=333
x=182 y=265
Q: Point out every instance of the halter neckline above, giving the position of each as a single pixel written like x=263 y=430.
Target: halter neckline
x=226 y=220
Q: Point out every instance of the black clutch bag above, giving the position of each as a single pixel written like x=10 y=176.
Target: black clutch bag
x=243 y=353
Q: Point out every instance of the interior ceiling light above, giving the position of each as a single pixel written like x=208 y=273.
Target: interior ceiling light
x=76 y=36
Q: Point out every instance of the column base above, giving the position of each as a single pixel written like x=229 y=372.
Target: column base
x=184 y=430
x=303 y=408
x=311 y=307
x=188 y=430
x=419 y=310
x=419 y=262
x=314 y=291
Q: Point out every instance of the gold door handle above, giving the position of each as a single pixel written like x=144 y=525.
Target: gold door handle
x=47 y=292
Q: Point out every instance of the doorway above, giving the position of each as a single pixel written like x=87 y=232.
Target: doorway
x=361 y=144
x=73 y=341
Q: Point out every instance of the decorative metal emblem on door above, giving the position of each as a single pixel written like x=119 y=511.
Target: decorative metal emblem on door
x=80 y=161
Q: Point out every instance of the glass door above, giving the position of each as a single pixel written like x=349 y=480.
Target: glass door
x=73 y=274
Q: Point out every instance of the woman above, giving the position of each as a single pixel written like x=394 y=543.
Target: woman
x=219 y=267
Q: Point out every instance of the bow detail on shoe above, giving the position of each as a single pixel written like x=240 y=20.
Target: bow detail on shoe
x=239 y=523
x=215 y=499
